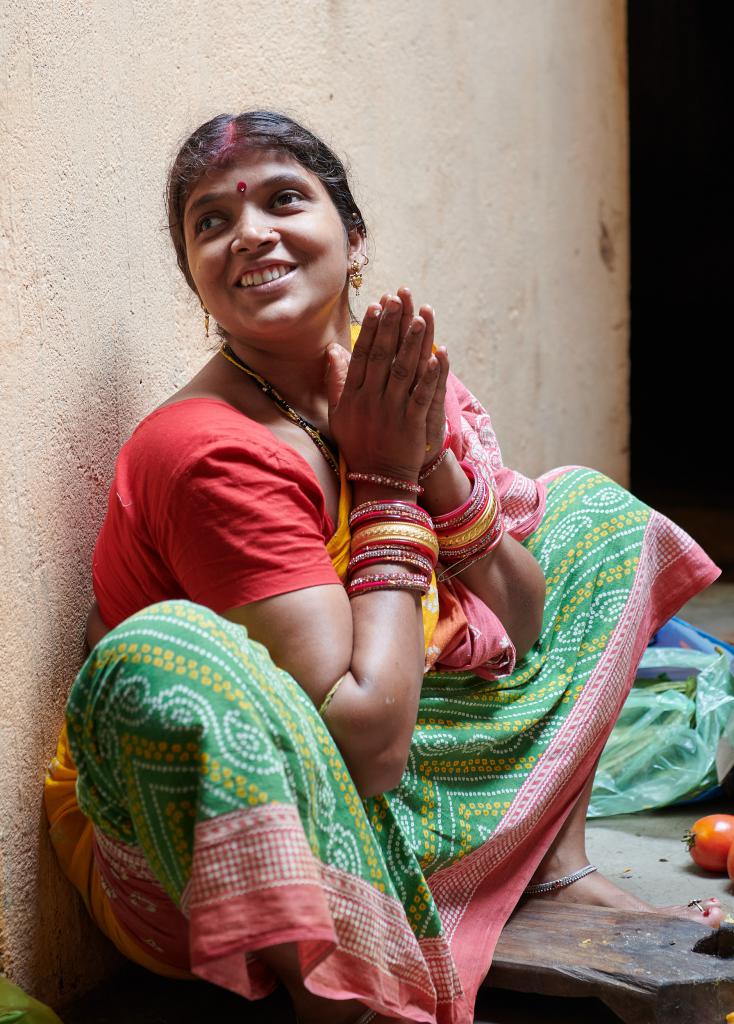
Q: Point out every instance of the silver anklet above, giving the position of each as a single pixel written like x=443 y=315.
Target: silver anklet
x=559 y=883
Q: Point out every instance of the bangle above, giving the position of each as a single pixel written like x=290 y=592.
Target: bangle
x=328 y=698
x=434 y=465
x=387 y=481
x=458 y=567
x=460 y=538
x=389 y=511
x=370 y=555
x=383 y=581
x=472 y=507
x=401 y=533
x=482 y=541
x=441 y=455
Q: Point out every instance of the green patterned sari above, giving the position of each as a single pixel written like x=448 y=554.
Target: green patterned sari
x=225 y=820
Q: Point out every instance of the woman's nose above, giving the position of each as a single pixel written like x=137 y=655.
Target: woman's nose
x=251 y=233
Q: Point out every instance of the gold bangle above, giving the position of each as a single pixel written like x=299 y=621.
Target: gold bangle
x=395 y=531
x=482 y=525
x=328 y=698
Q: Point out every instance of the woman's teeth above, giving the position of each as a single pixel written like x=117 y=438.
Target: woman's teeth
x=261 y=276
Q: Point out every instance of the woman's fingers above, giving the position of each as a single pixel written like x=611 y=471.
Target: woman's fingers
x=437 y=410
x=402 y=372
x=383 y=347
x=360 y=353
x=407 y=318
x=422 y=394
x=426 y=312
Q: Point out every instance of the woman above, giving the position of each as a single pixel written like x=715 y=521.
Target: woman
x=350 y=675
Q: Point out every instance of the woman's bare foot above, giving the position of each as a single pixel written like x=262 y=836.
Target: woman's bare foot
x=567 y=853
x=597 y=891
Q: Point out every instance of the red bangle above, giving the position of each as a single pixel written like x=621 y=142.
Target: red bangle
x=389 y=511
x=397 y=555
x=472 y=508
x=473 y=556
x=400 y=581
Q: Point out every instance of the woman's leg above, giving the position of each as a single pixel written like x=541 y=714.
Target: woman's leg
x=197 y=753
x=568 y=853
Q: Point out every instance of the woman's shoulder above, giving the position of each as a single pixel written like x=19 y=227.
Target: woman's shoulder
x=201 y=446
x=196 y=415
x=183 y=431
x=204 y=453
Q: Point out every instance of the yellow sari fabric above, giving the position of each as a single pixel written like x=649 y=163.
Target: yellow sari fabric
x=72 y=837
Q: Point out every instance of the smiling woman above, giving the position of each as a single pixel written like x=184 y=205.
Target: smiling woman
x=216 y=223
x=349 y=674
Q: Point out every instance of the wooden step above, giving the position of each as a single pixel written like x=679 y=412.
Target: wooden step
x=642 y=966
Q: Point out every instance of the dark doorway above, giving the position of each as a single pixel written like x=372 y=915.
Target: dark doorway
x=682 y=293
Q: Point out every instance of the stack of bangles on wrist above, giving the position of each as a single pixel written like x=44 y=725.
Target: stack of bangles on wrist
x=391 y=531
x=471 y=531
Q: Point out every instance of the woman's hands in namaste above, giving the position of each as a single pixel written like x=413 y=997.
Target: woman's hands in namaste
x=386 y=403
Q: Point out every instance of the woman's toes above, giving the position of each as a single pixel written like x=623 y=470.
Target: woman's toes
x=712 y=912
x=705 y=911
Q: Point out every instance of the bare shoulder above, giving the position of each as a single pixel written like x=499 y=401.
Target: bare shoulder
x=207 y=384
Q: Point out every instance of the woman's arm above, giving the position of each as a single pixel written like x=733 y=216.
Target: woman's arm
x=373 y=642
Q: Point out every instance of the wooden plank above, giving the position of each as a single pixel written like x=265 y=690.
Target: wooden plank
x=641 y=965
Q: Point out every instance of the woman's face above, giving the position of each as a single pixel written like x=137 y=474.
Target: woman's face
x=283 y=219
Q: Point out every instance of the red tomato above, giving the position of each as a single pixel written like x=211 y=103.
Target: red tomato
x=710 y=840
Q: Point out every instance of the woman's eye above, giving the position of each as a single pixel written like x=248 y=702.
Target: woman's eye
x=291 y=195
x=206 y=223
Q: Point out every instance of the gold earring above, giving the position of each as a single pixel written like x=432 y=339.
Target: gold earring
x=355 y=273
x=206 y=317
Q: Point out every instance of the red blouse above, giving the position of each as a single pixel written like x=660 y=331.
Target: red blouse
x=182 y=523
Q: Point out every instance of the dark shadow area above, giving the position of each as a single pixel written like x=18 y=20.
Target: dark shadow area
x=137 y=997
x=498 y=1006
x=681 y=384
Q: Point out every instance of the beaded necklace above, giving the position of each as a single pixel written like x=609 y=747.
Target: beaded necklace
x=329 y=453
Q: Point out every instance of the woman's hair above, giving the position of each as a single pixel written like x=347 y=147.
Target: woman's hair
x=218 y=143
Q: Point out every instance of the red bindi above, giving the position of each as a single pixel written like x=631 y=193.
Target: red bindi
x=241 y=186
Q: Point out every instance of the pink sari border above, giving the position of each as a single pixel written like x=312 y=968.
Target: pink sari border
x=251 y=867
x=476 y=895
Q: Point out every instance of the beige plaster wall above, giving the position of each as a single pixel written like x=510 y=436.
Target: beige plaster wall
x=489 y=148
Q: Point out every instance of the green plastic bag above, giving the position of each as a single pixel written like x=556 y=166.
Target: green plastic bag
x=18 y=1008
x=662 y=749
